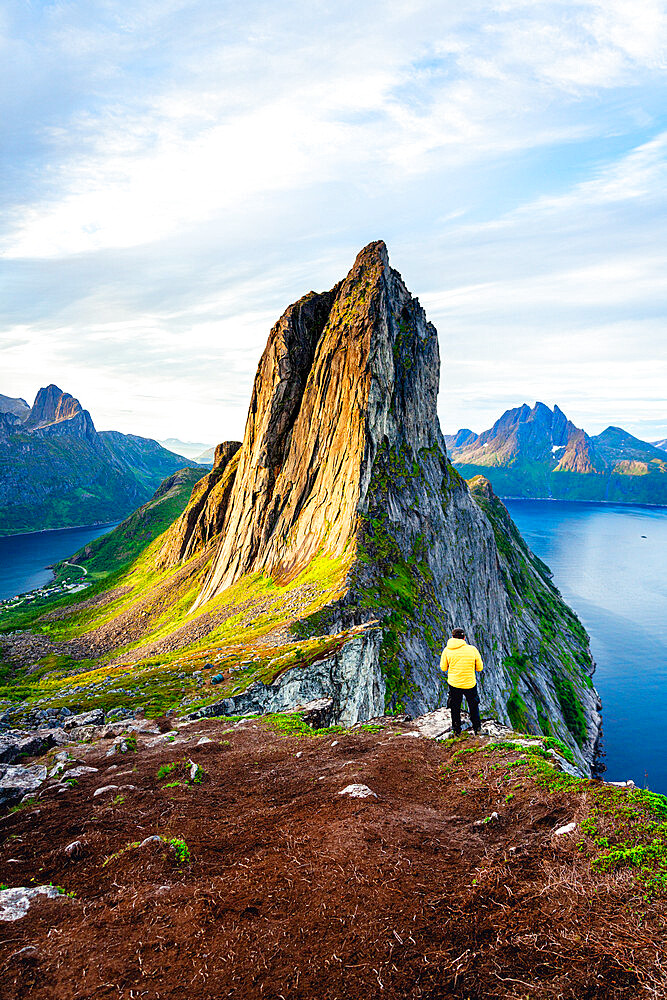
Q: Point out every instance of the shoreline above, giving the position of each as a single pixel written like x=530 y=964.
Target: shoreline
x=68 y=527
x=608 y=503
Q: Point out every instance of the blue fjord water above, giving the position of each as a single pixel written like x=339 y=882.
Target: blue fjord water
x=610 y=563
x=24 y=558
x=615 y=579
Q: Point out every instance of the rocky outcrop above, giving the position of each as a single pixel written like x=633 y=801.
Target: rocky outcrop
x=545 y=679
x=204 y=516
x=56 y=412
x=343 y=458
x=17 y=406
x=350 y=680
x=15 y=903
x=525 y=435
x=17 y=781
x=9 y=424
x=15 y=744
x=462 y=437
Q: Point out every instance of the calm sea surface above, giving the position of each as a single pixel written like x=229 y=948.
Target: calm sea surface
x=24 y=558
x=610 y=564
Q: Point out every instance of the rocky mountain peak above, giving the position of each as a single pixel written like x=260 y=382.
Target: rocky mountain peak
x=342 y=371
x=55 y=411
x=533 y=434
x=16 y=406
x=343 y=461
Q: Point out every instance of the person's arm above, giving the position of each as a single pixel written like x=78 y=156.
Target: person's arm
x=444 y=662
x=478 y=661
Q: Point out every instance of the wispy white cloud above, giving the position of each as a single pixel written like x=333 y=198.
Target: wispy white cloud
x=179 y=171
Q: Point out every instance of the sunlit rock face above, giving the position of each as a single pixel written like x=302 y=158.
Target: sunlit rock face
x=343 y=456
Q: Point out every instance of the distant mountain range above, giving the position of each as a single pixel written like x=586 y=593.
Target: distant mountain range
x=538 y=452
x=202 y=453
x=57 y=471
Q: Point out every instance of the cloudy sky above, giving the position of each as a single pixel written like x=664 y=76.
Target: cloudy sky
x=175 y=173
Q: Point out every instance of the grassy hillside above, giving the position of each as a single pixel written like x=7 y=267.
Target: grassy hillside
x=126 y=542
x=132 y=636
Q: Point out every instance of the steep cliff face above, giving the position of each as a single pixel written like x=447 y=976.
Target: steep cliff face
x=343 y=457
x=205 y=514
x=57 y=412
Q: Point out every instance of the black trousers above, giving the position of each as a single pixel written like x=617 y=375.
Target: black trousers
x=455 y=699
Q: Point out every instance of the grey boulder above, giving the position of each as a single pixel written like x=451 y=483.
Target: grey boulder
x=15 y=903
x=15 y=743
x=17 y=781
x=92 y=718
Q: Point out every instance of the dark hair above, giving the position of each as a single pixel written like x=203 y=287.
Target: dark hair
x=458 y=633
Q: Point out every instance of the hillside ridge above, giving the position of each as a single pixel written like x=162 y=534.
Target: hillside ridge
x=252 y=857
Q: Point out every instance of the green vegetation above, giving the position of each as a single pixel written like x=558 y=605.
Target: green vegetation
x=184 y=768
x=516 y=665
x=125 y=543
x=564 y=650
x=180 y=849
x=629 y=830
x=573 y=713
x=78 y=481
x=161 y=682
x=293 y=725
x=399 y=588
x=518 y=712
x=23 y=805
x=63 y=892
x=623 y=828
x=551 y=743
x=623 y=483
x=166 y=769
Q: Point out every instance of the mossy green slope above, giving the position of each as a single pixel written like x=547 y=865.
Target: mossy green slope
x=111 y=552
x=562 y=638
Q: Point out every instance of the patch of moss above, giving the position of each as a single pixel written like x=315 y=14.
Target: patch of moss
x=575 y=720
x=292 y=724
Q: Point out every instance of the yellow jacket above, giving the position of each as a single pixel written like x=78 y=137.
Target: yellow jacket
x=461 y=660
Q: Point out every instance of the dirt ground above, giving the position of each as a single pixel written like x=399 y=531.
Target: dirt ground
x=295 y=892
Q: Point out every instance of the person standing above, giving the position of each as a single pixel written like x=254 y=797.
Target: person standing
x=461 y=663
